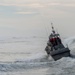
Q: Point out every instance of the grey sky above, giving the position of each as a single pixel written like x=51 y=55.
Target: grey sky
x=34 y=16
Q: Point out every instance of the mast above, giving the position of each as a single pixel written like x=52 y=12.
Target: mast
x=53 y=28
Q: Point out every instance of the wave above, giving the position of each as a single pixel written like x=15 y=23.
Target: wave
x=40 y=60
x=69 y=41
x=64 y=65
x=25 y=64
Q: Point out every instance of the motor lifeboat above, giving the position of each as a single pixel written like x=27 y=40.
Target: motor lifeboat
x=55 y=47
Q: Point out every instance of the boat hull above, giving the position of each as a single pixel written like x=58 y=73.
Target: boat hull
x=58 y=54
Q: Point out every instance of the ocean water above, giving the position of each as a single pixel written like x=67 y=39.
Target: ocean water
x=26 y=56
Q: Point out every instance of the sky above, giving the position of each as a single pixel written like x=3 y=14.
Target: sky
x=34 y=17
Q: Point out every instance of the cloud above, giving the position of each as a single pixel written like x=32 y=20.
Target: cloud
x=69 y=4
x=26 y=7
x=61 y=4
x=35 y=3
x=26 y=13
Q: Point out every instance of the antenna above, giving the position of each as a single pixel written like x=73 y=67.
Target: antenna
x=52 y=28
x=52 y=25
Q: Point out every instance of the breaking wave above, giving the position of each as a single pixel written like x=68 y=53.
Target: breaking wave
x=39 y=59
x=25 y=64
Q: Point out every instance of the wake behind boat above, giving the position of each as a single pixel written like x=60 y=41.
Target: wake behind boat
x=55 y=48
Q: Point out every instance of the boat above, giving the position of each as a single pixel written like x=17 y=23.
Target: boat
x=55 y=47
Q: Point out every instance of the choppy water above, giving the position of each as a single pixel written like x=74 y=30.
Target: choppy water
x=26 y=56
